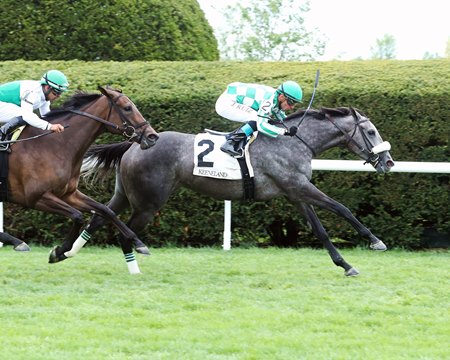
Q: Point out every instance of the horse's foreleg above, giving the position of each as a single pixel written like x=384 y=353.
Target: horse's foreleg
x=318 y=230
x=314 y=196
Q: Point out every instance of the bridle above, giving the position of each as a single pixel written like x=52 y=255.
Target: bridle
x=369 y=155
x=127 y=129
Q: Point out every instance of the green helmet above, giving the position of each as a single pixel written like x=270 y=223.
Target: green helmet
x=56 y=79
x=291 y=90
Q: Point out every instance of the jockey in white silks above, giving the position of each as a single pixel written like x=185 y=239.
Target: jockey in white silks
x=19 y=99
x=255 y=105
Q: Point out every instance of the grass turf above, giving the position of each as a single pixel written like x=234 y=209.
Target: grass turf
x=211 y=304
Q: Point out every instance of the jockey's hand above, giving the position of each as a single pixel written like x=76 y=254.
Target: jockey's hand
x=56 y=128
x=291 y=132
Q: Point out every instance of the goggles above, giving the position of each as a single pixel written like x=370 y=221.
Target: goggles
x=56 y=92
x=290 y=101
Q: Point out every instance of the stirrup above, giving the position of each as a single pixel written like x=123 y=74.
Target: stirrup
x=233 y=153
x=5 y=147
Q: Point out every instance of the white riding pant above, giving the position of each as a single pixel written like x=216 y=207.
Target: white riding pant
x=227 y=107
x=9 y=111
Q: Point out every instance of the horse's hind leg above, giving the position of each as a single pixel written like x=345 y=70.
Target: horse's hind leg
x=118 y=203
x=137 y=222
x=84 y=203
x=18 y=244
x=320 y=232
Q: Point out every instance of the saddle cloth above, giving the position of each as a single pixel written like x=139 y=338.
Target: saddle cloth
x=4 y=166
x=210 y=161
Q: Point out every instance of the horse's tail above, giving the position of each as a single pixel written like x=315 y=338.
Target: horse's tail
x=100 y=160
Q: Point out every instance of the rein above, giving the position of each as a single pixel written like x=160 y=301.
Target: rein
x=307 y=145
x=370 y=157
x=128 y=130
x=29 y=138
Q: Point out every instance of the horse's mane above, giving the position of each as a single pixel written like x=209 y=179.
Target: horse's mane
x=76 y=101
x=320 y=114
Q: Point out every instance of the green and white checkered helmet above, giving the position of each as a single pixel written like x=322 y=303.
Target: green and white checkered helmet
x=291 y=90
x=56 y=80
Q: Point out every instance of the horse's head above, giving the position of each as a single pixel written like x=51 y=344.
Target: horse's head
x=130 y=122
x=363 y=138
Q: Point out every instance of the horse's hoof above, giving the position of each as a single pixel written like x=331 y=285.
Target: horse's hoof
x=379 y=246
x=352 y=272
x=53 y=257
x=143 y=250
x=22 y=247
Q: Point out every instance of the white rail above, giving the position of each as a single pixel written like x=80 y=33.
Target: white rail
x=400 y=166
x=328 y=165
x=347 y=165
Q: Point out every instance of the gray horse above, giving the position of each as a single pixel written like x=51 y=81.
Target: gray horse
x=282 y=167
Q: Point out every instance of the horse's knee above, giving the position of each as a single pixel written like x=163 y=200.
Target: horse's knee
x=78 y=218
x=95 y=223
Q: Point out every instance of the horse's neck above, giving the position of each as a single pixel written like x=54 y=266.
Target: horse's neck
x=80 y=134
x=320 y=135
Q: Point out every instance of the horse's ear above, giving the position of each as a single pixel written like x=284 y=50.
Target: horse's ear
x=103 y=90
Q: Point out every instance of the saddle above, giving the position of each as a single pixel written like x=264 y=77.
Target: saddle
x=5 y=145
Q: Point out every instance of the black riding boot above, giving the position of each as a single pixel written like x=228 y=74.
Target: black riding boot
x=236 y=141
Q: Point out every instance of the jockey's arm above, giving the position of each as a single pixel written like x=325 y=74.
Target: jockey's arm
x=30 y=117
x=263 y=117
x=44 y=109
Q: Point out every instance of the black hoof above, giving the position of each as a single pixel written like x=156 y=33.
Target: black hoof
x=54 y=257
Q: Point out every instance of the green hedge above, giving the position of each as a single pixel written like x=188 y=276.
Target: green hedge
x=122 y=30
x=407 y=100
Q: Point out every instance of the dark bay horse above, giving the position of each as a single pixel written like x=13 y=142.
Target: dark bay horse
x=282 y=167
x=44 y=172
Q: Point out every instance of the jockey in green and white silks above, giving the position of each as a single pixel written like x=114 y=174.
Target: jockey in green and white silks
x=255 y=105
x=19 y=99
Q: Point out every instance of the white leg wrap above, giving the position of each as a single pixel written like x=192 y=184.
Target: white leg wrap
x=133 y=267
x=132 y=264
x=78 y=244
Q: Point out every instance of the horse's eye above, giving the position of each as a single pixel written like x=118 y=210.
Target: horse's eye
x=127 y=108
x=371 y=132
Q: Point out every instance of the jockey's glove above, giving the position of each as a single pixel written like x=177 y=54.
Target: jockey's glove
x=291 y=132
